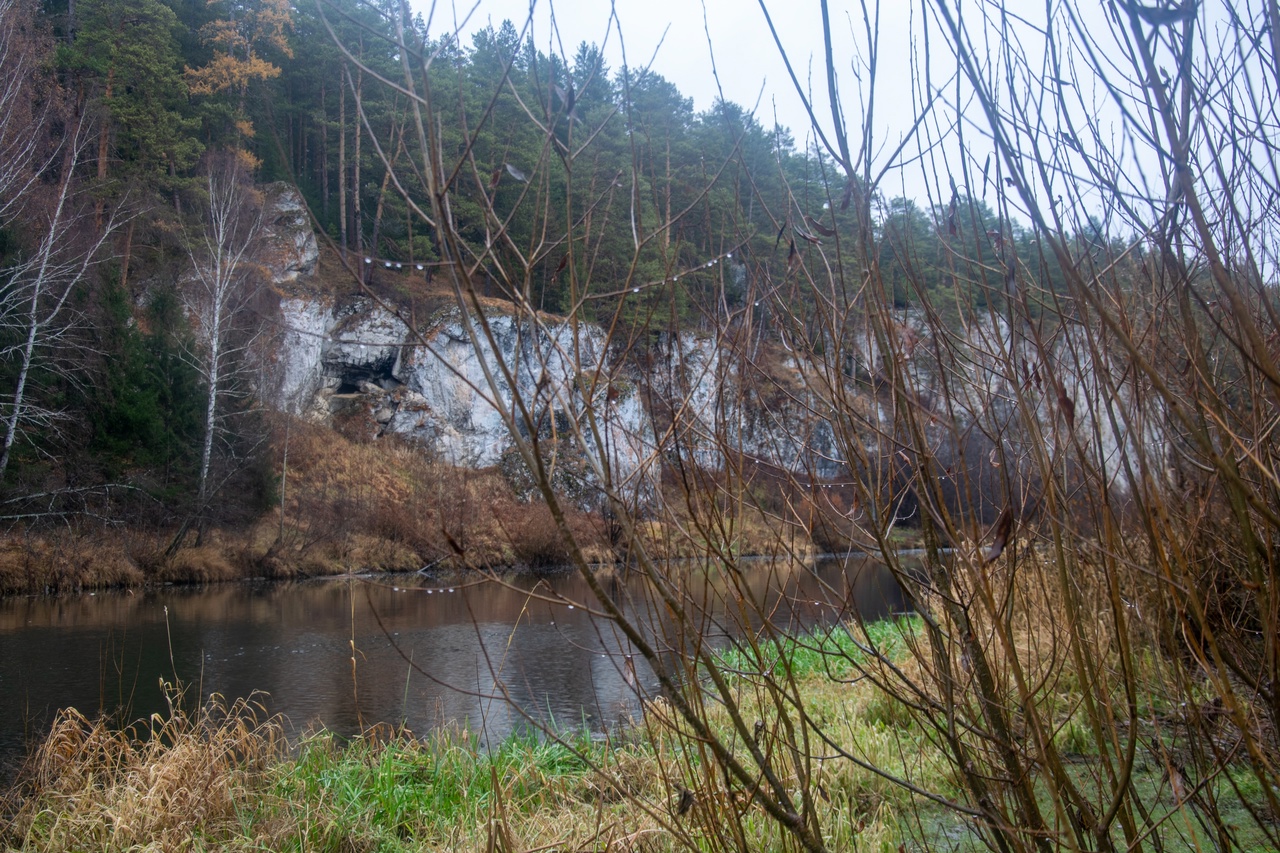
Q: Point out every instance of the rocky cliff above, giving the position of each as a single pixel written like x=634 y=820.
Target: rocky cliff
x=602 y=412
x=355 y=359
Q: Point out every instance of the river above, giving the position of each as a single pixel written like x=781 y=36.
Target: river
x=487 y=654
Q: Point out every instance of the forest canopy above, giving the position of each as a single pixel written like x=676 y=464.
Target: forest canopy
x=708 y=210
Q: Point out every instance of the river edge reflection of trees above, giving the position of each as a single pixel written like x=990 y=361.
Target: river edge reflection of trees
x=1081 y=409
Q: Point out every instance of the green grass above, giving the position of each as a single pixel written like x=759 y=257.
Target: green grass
x=234 y=787
x=399 y=794
x=831 y=651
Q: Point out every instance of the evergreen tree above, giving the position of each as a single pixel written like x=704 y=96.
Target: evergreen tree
x=245 y=41
x=125 y=59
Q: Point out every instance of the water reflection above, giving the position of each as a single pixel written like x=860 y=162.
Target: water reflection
x=480 y=654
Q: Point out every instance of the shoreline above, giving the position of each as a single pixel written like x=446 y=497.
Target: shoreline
x=516 y=570
x=396 y=789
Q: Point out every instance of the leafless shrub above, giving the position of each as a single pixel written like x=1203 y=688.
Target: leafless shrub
x=1078 y=424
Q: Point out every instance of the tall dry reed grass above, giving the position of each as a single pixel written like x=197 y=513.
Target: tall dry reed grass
x=163 y=783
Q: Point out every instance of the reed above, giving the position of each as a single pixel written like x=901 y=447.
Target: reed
x=165 y=782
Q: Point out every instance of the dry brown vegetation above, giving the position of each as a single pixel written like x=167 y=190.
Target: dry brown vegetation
x=57 y=561
x=357 y=505
x=360 y=505
x=351 y=506
x=159 y=784
x=1085 y=420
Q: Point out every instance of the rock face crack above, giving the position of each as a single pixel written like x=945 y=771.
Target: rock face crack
x=290 y=250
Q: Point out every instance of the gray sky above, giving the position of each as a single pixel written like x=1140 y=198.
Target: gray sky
x=679 y=38
x=673 y=34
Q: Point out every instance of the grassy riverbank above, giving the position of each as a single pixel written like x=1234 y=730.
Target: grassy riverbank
x=347 y=505
x=222 y=778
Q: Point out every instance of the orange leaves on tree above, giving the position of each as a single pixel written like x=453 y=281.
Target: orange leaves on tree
x=227 y=73
x=251 y=29
x=273 y=21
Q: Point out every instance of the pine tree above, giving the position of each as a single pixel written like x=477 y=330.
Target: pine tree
x=125 y=59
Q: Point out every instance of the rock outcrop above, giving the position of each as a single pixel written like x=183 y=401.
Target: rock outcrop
x=356 y=354
x=457 y=393
x=434 y=390
x=289 y=246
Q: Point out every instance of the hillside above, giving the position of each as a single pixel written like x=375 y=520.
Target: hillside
x=145 y=272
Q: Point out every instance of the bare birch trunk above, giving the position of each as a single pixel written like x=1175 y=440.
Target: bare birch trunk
x=53 y=277
x=221 y=287
x=211 y=402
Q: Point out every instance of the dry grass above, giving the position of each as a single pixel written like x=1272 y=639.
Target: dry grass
x=202 y=564
x=350 y=506
x=223 y=778
x=66 y=561
x=167 y=783
x=388 y=505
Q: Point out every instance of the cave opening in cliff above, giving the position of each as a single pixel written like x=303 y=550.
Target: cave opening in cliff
x=357 y=381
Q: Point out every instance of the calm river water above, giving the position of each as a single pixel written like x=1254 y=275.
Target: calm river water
x=476 y=653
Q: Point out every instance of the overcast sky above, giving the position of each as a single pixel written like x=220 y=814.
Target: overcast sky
x=678 y=39
x=673 y=34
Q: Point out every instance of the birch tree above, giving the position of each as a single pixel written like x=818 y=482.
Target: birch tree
x=36 y=310
x=223 y=281
x=35 y=285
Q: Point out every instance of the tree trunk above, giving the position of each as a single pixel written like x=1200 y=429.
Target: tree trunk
x=382 y=193
x=377 y=214
x=284 y=473
x=342 y=168
x=324 y=156
x=173 y=176
x=35 y=323
x=104 y=148
x=217 y=297
x=358 y=221
x=211 y=403
x=128 y=253
x=28 y=348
